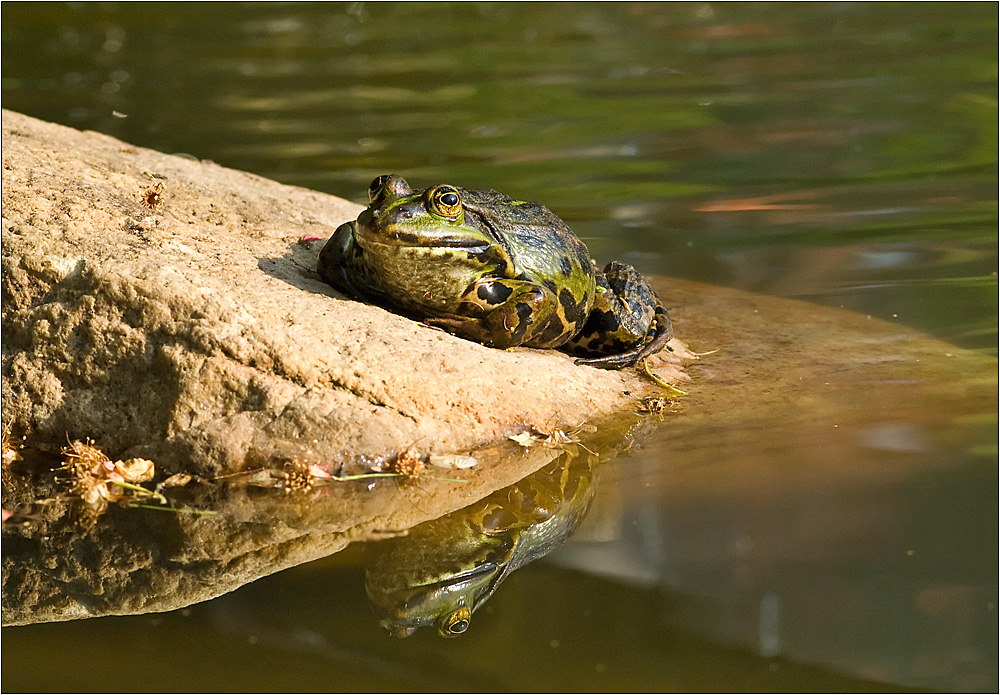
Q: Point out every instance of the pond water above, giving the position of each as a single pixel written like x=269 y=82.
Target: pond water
x=842 y=154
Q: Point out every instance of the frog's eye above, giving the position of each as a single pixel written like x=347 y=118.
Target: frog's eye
x=376 y=187
x=455 y=623
x=446 y=202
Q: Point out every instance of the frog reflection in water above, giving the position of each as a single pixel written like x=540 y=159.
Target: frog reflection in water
x=498 y=271
x=445 y=569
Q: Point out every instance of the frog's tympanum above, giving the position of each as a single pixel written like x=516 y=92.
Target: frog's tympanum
x=498 y=271
x=445 y=569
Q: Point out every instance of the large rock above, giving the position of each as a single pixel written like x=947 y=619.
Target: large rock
x=187 y=325
x=169 y=309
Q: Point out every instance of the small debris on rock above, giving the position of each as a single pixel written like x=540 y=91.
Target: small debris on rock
x=176 y=480
x=452 y=461
x=11 y=452
x=96 y=480
x=555 y=438
x=297 y=476
x=152 y=196
x=656 y=405
x=409 y=463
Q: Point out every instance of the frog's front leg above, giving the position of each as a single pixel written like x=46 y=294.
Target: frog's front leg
x=337 y=258
x=505 y=313
x=627 y=324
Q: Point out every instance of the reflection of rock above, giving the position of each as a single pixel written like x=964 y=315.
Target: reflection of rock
x=165 y=309
x=445 y=569
x=138 y=560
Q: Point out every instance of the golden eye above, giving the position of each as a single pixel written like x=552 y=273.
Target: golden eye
x=446 y=202
x=376 y=187
x=455 y=623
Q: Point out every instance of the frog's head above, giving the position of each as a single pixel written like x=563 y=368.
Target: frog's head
x=421 y=247
x=447 y=604
x=431 y=222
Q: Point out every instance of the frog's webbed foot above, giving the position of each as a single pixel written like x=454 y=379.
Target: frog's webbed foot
x=458 y=325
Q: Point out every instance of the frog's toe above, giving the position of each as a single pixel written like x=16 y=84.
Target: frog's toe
x=621 y=361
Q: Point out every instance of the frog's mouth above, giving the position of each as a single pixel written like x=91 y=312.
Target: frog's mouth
x=406 y=240
x=465 y=577
x=386 y=234
x=479 y=580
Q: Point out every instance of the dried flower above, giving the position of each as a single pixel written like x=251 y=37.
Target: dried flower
x=409 y=463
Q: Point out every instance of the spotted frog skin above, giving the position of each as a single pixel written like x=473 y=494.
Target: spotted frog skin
x=498 y=271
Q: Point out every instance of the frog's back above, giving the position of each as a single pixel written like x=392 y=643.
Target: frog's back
x=541 y=245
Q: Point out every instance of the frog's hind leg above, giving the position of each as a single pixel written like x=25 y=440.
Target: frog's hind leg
x=627 y=324
x=657 y=338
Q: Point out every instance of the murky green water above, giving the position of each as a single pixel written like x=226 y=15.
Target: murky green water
x=845 y=154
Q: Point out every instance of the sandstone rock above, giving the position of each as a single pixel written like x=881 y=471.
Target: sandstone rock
x=165 y=308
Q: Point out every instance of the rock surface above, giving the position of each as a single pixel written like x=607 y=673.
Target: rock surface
x=170 y=309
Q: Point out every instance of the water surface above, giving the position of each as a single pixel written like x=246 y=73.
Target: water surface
x=842 y=154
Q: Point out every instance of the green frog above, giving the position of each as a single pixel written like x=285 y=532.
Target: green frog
x=498 y=271
x=445 y=569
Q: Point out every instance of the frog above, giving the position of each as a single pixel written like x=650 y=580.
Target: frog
x=443 y=570
x=502 y=272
